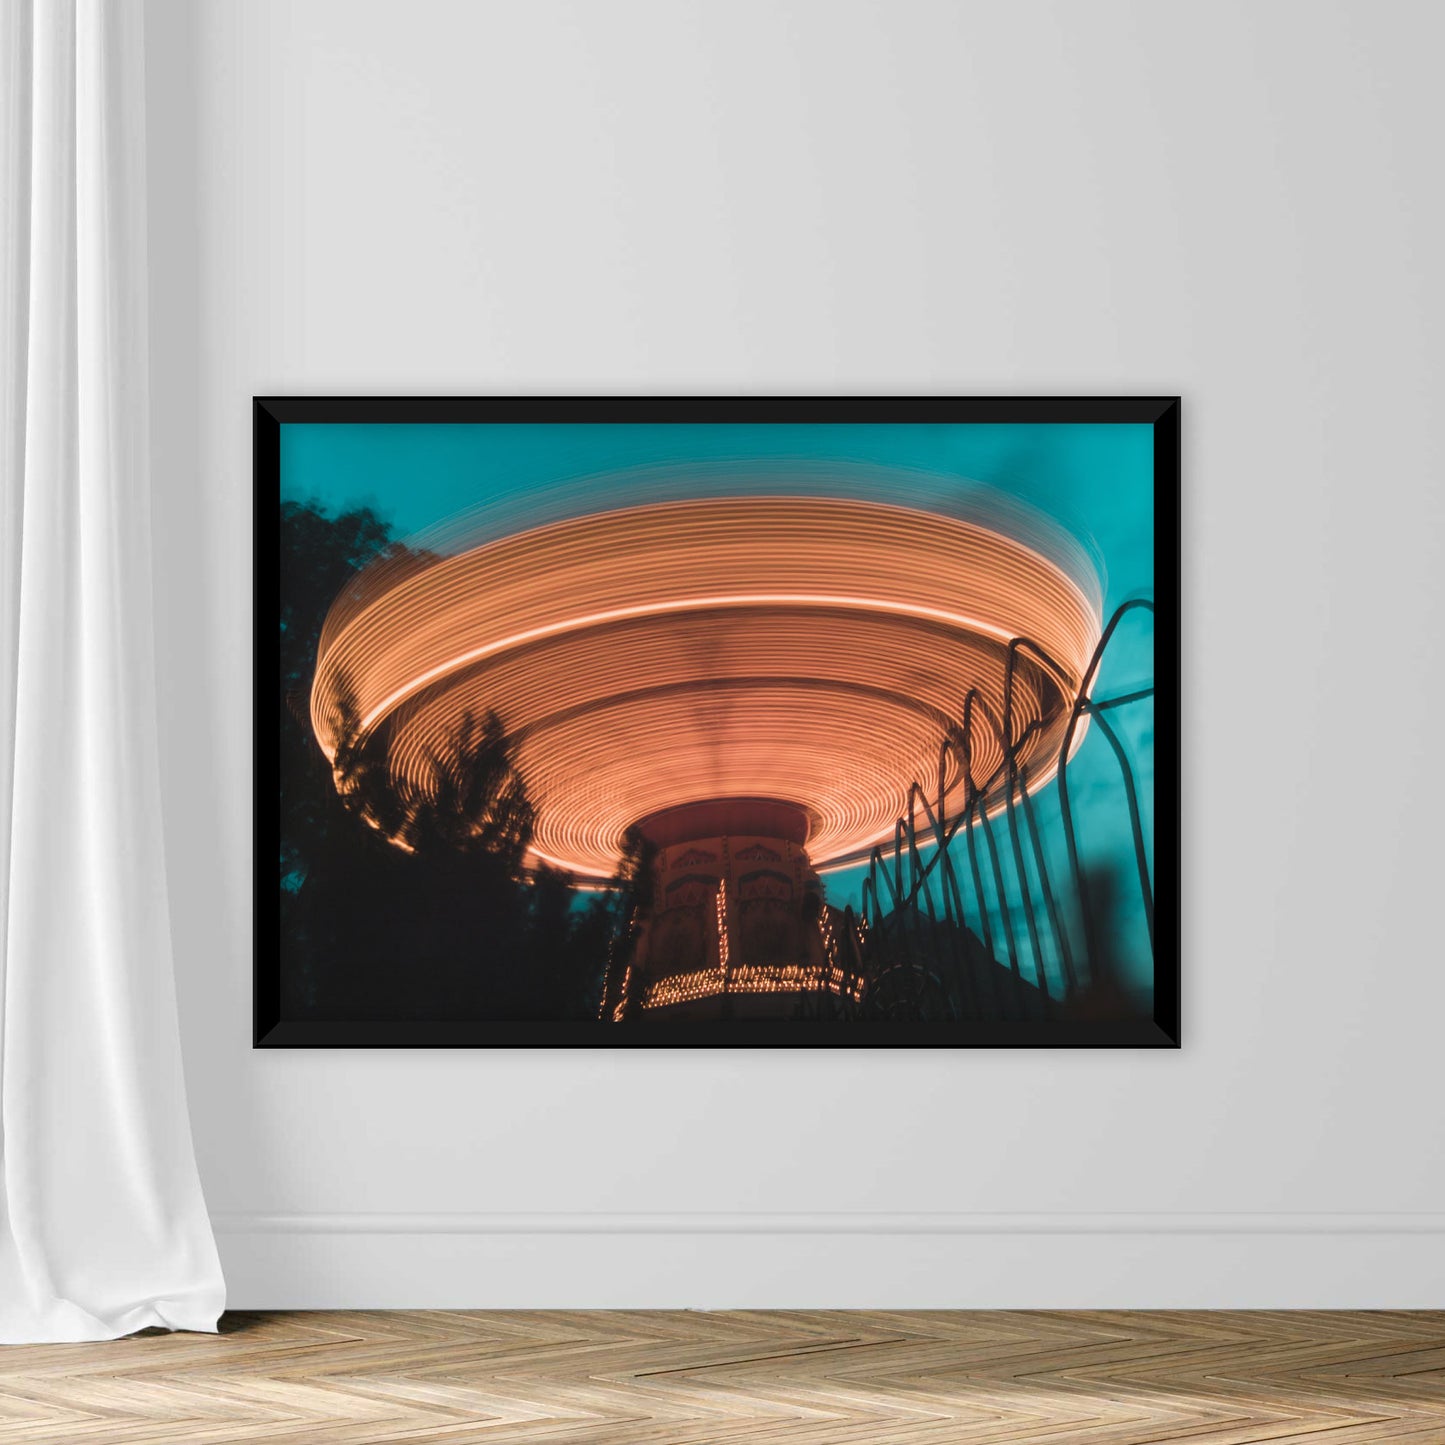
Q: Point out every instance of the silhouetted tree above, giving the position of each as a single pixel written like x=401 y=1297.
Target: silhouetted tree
x=405 y=896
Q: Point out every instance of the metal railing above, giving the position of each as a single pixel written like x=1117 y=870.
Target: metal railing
x=985 y=925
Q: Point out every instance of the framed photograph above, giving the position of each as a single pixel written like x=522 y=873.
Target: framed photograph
x=718 y=722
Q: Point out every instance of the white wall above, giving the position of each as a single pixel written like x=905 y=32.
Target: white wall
x=1237 y=202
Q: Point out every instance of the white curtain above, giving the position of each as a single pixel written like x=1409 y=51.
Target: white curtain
x=103 y=1229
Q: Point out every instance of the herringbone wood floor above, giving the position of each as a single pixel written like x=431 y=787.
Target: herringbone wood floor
x=673 y=1378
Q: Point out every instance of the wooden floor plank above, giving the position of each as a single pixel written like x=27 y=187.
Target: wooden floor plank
x=814 y=1377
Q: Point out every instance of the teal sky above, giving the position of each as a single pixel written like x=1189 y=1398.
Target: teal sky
x=1095 y=481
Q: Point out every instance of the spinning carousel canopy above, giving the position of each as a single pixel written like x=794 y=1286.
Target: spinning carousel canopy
x=812 y=650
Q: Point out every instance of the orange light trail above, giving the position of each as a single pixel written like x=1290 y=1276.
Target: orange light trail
x=808 y=649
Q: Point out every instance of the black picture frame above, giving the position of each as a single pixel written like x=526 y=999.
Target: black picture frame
x=1162 y=413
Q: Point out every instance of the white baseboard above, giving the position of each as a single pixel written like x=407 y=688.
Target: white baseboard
x=833 y=1261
